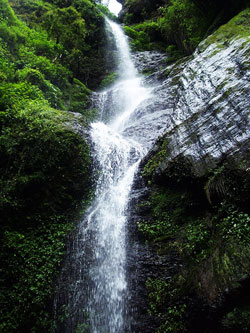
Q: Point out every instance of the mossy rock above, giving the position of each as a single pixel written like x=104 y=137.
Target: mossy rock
x=237 y=28
x=45 y=178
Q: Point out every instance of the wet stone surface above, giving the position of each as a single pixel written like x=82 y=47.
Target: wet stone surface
x=200 y=106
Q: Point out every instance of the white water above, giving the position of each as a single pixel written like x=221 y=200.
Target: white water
x=118 y=158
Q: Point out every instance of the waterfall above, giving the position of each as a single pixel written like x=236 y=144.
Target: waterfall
x=96 y=290
x=118 y=158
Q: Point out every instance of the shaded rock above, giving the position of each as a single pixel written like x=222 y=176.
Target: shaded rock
x=143 y=262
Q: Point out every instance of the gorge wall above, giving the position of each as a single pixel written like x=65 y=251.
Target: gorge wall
x=188 y=230
x=189 y=222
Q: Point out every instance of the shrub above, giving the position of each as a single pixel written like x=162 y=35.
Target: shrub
x=183 y=24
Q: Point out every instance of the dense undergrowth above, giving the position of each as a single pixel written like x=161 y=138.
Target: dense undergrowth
x=207 y=222
x=51 y=55
x=175 y=26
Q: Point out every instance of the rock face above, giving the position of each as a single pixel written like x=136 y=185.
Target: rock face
x=199 y=107
x=144 y=262
x=202 y=106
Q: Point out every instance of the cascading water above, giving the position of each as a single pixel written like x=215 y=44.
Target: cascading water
x=92 y=293
x=118 y=158
x=97 y=290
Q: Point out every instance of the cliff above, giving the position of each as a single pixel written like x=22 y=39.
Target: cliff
x=189 y=220
x=188 y=233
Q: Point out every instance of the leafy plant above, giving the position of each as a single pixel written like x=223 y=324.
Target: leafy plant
x=216 y=185
x=238 y=319
x=109 y=80
x=162 y=297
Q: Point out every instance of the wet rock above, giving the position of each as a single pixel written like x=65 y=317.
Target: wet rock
x=200 y=108
x=143 y=262
x=149 y=61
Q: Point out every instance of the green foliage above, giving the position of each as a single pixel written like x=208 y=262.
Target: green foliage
x=157 y=228
x=106 y=12
x=166 y=207
x=196 y=242
x=140 y=10
x=77 y=96
x=31 y=11
x=128 y=18
x=109 y=80
x=30 y=260
x=233 y=224
x=45 y=170
x=39 y=131
x=169 y=212
x=29 y=56
x=237 y=320
x=157 y=292
x=211 y=239
x=45 y=164
x=173 y=54
x=82 y=328
x=173 y=319
x=238 y=27
x=156 y=160
x=182 y=24
x=7 y=67
x=66 y=26
x=139 y=40
x=16 y=95
x=161 y=303
x=77 y=30
x=145 y=36
x=6 y=13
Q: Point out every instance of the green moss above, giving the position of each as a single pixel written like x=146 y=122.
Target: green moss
x=236 y=28
x=211 y=239
x=155 y=161
x=45 y=168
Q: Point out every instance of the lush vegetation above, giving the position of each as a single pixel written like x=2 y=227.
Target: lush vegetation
x=175 y=26
x=78 y=26
x=51 y=54
x=207 y=222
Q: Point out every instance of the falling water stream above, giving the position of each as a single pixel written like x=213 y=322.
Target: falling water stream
x=97 y=294
x=118 y=158
x=93 y=290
